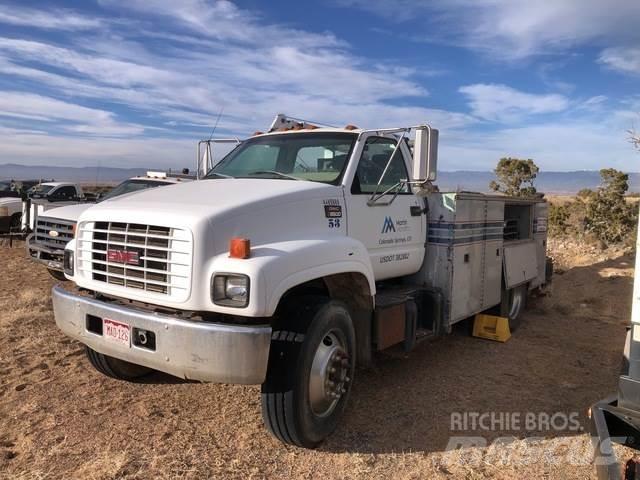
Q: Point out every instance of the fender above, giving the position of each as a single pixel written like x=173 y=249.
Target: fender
x=275 y=268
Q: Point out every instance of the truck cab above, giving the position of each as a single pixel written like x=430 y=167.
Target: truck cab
x=56 y=191
x=296 y=257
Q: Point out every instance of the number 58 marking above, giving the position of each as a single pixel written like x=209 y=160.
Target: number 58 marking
x=334 y=223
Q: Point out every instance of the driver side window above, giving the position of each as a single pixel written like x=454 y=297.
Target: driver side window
x=375 y=157
x=63 y=193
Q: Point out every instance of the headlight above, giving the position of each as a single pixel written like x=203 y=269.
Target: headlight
x=230 y=290
x=67 y=262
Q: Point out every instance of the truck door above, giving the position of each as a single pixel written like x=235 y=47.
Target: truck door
x=392 y=229
x=63 y=193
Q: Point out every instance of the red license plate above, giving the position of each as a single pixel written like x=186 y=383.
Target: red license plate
x=117 y=332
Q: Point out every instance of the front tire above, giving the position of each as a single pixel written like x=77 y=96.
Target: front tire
x=310 y=372
x=114 y=367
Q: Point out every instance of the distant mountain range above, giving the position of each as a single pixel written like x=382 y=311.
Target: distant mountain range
x=549 y=182
x=71 y=174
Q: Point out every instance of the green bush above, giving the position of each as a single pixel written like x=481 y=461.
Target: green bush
x=603 y=214
x=515 y=177
x=558 y=219
x=609 y=217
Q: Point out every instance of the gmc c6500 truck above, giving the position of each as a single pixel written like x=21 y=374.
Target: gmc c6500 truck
x=297 y=256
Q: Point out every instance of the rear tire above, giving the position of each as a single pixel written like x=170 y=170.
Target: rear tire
x=310 y=372
x=513 y=303
x=114 y=367
x=57 y=274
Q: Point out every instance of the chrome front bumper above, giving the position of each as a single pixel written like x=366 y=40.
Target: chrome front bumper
x=49 y=257
x=208 y=352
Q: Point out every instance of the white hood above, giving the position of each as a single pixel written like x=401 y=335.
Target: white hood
x=70 y=212
x=6 y=201
x=205 y=199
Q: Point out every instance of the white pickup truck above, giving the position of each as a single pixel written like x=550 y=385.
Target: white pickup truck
x=55 y=228
x=11 y=206
x=300 y=254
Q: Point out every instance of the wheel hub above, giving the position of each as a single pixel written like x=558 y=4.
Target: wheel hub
x=329 y=377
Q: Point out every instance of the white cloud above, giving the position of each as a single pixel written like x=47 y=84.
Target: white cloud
x=514 y=29
x=626 y=60
x=505 y=104
x=22 y=105
x=58 y=19
x=223 y=20
x=191 y=84
x=554 y=146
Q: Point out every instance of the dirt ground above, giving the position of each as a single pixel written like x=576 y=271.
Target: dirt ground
x=61 y=419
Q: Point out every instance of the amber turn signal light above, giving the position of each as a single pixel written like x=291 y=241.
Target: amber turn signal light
x=239 y=248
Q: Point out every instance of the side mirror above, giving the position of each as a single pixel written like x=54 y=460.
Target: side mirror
x=425 y=154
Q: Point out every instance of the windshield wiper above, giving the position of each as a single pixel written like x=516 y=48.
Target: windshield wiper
x=221 y=175
x=273 y=172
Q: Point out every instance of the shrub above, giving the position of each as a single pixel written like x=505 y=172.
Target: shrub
x=512 y=173
x=558 y=219
x=608 y=215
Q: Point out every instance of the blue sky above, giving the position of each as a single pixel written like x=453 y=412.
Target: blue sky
x=138 y=82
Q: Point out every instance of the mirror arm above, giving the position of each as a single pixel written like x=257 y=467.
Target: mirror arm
x=375 y=196
x=373 y=202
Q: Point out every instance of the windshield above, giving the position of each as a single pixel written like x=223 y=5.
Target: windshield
x=5 y=187
x=130 y=186
x=318 y=157
x=40 y=189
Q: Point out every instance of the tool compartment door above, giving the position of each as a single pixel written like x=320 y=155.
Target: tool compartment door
x=520 y=263
x=493 y=235
x=468 y=257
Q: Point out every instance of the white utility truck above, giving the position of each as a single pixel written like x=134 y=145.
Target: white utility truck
x=300 y=254
x=55 y=228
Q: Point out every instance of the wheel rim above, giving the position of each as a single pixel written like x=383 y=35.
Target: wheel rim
x=329 y=377
x=516 y=303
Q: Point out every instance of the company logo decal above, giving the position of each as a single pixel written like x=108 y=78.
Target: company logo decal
x=388 y=225
x=333 y=211
x=127 y=257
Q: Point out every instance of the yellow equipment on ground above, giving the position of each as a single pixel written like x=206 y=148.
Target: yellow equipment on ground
x=491 y=327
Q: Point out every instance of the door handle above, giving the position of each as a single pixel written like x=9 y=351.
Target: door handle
x=416 y=211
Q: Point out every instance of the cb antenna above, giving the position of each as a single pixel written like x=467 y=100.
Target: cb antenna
x=216 y=124
x=209 y=156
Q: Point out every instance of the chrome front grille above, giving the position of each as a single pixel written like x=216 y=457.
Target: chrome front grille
x=153 y=258
x=53 y=232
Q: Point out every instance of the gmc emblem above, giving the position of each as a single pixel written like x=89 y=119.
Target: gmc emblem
x=127 y=257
